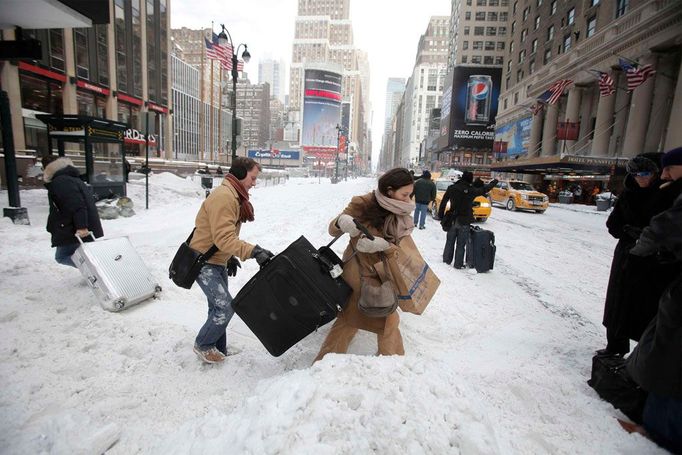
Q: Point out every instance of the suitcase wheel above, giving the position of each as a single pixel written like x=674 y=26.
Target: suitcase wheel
x=119 y=304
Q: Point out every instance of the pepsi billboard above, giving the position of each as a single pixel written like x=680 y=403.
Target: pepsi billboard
x=469 y=107
x=321 y=108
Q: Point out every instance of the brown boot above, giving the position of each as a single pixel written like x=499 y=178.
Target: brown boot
x=211 y=355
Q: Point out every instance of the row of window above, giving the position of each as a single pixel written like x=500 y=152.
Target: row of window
x=483 y=60
x=489 y=2
x=484 y=45
x=487 y=31
x=491 y=16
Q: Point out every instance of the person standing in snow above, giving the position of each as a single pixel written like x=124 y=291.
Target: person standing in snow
x=424 y=193
x=461 y=197
x=640 y=200
x=386 y=213
x=218 y=223
x=72 y=208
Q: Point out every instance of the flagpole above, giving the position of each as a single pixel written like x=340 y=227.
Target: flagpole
x=220 y=112
x=210 y=130
x=202 y=106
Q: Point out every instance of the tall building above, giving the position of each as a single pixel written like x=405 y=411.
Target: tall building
x=478 y=32
x=117 y=71
x=274 y=73
x=423 y=89
x=395 y=87
x=324 y=36
x=253 y=107
x=578 y=42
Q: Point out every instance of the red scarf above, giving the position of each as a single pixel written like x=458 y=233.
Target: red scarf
x=245 y=207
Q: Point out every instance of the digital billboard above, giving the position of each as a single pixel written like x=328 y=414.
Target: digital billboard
x=515 y=135
x=468 y=120
x=321 y=108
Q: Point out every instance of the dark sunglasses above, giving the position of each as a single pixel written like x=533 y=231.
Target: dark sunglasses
x=642 y=174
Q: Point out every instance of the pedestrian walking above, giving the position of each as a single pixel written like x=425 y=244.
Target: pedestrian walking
x=386 y=213
x=424 y=194
x=72 y=208
x=458 y=219
x=218 y=223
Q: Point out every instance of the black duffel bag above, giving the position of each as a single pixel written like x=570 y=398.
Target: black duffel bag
x=187 y=263
x=611 y=380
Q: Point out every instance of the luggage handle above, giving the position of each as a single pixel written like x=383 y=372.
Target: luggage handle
x=90 y=234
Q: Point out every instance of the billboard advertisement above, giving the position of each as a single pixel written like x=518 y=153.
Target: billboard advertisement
x=469 y=107
x=274 y=153
x=321 y=108
x=515 y=136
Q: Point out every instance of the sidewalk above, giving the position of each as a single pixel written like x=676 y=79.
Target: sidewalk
x=580 y=208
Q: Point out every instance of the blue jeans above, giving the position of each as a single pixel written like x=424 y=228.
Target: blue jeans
x=63 y=254
x=213 y=281
x=458 y=234
x=662 y=419
x=420 y=214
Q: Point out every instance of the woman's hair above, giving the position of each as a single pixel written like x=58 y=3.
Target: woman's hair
x=374 y=214
x=241 y=165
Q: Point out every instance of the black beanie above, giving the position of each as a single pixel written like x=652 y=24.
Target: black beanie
x=672 y=157
x=426 y=175
x=468 y=176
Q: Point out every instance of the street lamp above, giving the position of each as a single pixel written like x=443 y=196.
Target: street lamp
x=339 y=129
x=224 y=38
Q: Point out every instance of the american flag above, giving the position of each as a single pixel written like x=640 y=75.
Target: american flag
x=636 y=74
x=216 y=51
x=557 y=89
x=536 y=107
x=606 y=84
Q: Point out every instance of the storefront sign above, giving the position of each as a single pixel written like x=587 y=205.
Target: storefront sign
x=93 y=88
x=129 y=99
x=276 y=154
x=590 y=161
x=133 y=136
x=157 y=108
x=42 y=71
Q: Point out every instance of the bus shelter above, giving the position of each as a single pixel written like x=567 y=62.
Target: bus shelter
x=102 y=142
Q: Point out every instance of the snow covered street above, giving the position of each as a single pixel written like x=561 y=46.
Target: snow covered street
x=497 y=364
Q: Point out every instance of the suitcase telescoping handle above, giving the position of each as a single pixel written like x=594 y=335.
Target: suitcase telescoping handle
x=90 y=234
x=362 y=229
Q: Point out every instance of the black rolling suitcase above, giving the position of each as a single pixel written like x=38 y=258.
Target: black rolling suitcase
x=480 y=251
x=299 y=290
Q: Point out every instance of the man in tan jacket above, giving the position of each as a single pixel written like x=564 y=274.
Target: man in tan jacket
x=218 y=223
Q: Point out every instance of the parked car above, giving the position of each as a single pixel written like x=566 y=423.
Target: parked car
x=481 y=204
x=518 y=195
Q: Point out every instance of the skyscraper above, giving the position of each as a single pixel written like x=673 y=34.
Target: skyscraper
x=274 y=73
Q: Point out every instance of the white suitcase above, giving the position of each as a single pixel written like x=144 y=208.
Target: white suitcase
x=115 y=272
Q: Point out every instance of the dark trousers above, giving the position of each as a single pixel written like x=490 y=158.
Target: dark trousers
x=617 y=343
x=458 y=235
x=662 y=419
x=64 y=253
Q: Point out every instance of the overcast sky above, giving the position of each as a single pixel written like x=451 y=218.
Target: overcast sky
x=388 y=30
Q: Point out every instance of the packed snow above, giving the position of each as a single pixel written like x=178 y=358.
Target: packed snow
x=497 y=364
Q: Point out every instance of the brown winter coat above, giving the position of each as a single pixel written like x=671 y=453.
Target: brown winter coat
x=218 y=223
x=361 y=263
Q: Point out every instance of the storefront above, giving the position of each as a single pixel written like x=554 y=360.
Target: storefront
x=41 y=93
x=584 y=176
x=129 y=112
x=91 y=99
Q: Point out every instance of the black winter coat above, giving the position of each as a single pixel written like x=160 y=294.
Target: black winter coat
x=656 y=362
x=635 y=284
x=72 y=205
x=461 y=196
x=424 y=191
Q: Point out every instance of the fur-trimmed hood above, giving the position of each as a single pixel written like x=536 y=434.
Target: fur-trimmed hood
x=54 y=167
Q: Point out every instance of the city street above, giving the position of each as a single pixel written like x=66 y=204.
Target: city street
x=498 y=363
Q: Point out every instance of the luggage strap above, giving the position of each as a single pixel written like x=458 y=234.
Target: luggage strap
x=211 y=251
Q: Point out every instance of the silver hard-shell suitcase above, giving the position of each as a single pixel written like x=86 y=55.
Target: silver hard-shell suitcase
x=115 y=272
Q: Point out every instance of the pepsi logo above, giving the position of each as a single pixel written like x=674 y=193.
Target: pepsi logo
x=479 y=91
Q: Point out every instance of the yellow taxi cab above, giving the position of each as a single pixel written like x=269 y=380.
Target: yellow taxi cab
x=518 y=195
x=481 y=204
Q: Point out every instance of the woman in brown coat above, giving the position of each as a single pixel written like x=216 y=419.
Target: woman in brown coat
x=386 y=213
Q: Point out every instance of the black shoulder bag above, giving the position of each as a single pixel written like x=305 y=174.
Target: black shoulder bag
x=187 y=263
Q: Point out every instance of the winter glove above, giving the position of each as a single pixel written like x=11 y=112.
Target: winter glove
x=365 y=245
x=232 y=266
x=632 y=231
x=261 y=256
x=347 y=225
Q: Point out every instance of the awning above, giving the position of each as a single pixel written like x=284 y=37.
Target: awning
x=563 y=165
x=53 y=13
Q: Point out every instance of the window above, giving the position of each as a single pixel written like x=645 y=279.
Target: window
x=522 y=56
x=492 y=17
x=499 y=60
x=504 y=16
x=539 y=3
x=567 y=43
x=479 y=31
x=464 y=59
x=480 y=16
x=467 y=15
x=80 y=39
x=478 y=45
x=476 y=59
x=467 y=30
x=516 y=95
x=622 y=7
x=502 y=31
x=547 y=57
x=493 y=2
x=526 y=12
x=531 y=67
x=537 y=23
x=465 y=45
x=591 y=26
x=514 y=7
x=524 y=33
x=490 y=45
x=500 y=45
x=594 y=2
x=507 y=82
x=508 y=66
x=505 y=100
x=511 y=47
x=550 y=33
x=488 y=60
x=481 y=2
x=534 y=46
x=571 y=16
x=468 y=2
